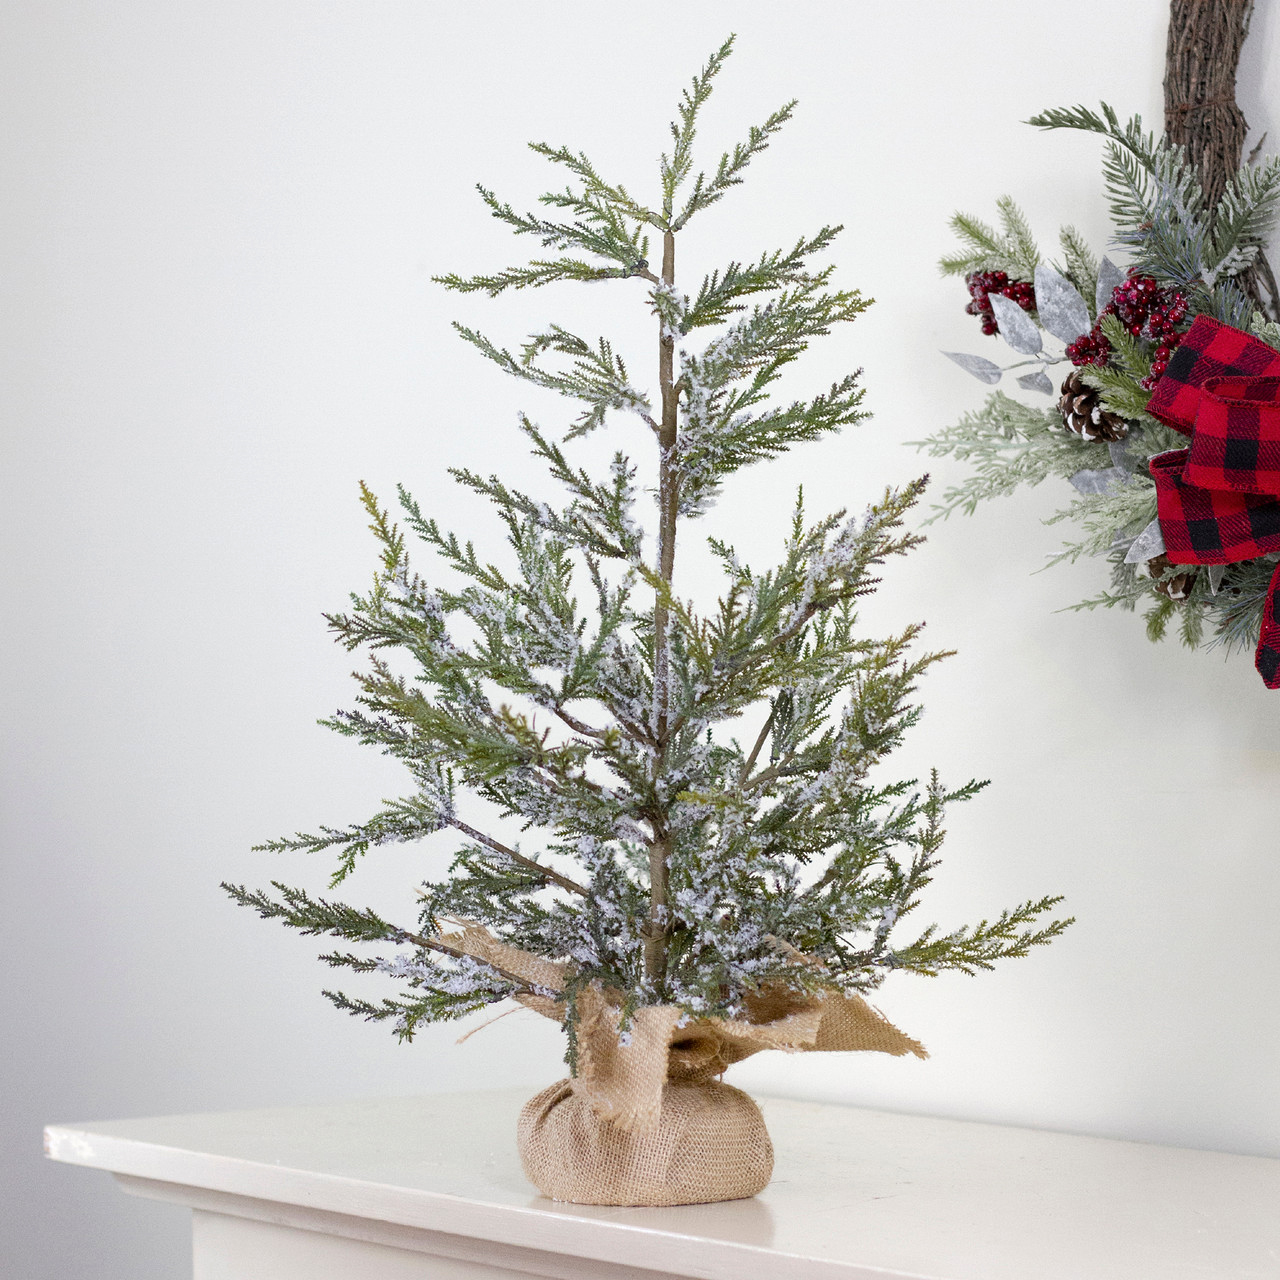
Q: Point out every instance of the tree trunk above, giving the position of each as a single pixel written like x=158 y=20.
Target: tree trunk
x=657 y=927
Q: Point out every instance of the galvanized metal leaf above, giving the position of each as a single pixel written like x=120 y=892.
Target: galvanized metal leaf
x=983 y=370
x=1016 y=327
x=1147 y=545
x=1100 y=481
x=1216 y=573
x=1059 y=305
x=1038 y=381
x=1121 y=456
x=1109 y=275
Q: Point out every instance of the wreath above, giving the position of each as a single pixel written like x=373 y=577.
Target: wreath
x=1167 y=421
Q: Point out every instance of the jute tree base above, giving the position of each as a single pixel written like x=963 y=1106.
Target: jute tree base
x=644 y=1121
x=710 y=1143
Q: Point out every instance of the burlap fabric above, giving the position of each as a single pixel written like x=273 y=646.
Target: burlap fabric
x=709 y=1143
x=644 y=1121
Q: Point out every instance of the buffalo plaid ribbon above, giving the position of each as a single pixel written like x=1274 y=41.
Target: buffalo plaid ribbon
x=1218 y=500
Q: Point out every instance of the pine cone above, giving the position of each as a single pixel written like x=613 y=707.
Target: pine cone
x=1082 y=412
x=1176 y=588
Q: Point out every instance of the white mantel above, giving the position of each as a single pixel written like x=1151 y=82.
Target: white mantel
x=430 y=1187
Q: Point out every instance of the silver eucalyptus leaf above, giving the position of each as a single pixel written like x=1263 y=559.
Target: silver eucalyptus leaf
x=1102 y=481
x=1059 y=305
x=1216 y=573
x=983 y=370
x=1122 y=453
x=1016 y=327
x=1038 y=381
x=1147 y=545
x=1109 y=275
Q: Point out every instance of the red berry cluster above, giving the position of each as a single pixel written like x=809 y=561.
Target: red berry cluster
x=984 y=283
x=1147 y=311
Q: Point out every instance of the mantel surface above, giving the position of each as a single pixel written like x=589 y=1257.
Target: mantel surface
x=856 y=1194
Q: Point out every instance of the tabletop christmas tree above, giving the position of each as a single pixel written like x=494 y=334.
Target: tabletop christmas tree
x=710 y=865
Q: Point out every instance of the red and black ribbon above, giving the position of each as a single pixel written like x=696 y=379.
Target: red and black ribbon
x=1219 y=501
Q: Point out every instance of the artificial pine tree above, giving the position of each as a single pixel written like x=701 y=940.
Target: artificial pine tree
x=703 y=827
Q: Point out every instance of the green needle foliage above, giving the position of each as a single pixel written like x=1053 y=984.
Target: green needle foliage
x=1160 y=216
x=686 y=799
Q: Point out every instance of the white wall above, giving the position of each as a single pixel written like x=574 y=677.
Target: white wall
x=219 y=225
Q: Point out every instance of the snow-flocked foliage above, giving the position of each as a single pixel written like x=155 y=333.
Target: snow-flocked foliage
x=699 y=789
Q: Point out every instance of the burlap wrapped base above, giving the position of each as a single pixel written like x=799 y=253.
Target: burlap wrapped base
x=709 y=1144
x=644 y=1121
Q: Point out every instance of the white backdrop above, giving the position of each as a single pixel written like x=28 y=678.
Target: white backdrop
x=220 y=221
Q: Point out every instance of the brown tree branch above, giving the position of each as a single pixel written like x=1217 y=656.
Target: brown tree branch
x=531 y=864
x=578 y=726
x=771 y=774
x=456 y=953
x=750 y=762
